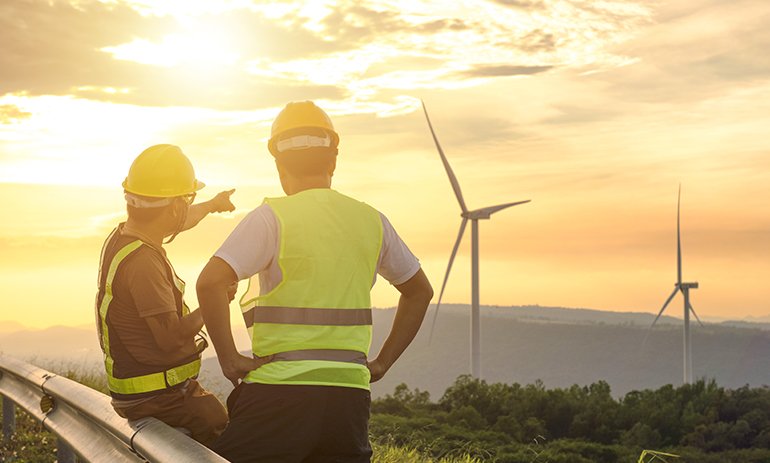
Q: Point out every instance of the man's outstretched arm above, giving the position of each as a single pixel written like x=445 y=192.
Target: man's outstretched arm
x=219 y=203
x=416 y=294
x=212 y=286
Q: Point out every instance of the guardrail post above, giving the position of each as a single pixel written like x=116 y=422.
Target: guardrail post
x=64 y=454
x=9 y=418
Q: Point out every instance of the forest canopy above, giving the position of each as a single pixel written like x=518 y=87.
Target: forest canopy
x=700 y=422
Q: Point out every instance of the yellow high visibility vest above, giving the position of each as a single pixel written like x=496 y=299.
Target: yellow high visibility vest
x=318 y=320
x=156 y=378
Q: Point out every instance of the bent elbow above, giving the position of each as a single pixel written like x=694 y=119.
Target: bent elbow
x=429 y=293
x=204 y=285
x=424 y=292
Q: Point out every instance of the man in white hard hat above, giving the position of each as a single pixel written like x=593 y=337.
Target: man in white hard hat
x=317 y=253
x=146 y=331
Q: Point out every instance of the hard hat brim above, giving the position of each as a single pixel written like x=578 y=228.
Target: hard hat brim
x=198 y=186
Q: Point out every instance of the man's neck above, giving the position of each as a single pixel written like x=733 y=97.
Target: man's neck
x=147 y=232
x=294 y=185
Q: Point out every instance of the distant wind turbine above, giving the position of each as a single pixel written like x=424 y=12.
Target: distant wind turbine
x=685 y=289
x=474 y=216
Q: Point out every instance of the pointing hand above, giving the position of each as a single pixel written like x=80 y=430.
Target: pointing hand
x=221 y=202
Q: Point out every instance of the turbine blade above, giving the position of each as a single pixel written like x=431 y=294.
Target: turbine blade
x=693 y=312
x=446 y=276
x=447 y=167
x=485 y=212
x=660 y=313
x=678 y=240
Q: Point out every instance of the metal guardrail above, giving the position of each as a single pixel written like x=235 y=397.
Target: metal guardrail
x=85 y=424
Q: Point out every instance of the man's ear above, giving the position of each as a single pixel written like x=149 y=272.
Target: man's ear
x=281 y=169
x=333 y=164
x=176 y=206
x=283 y=177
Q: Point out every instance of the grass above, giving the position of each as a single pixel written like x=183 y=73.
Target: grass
x=389 y=453
x=86 y=373
x=32 y=443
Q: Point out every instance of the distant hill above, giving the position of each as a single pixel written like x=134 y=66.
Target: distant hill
x=55 y=345
x=536 y=312
x=11 y=327
x=563 y=347
x=559 y=346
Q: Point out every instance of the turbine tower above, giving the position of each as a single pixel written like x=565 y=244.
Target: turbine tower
x=474 y=216
x=685 y=289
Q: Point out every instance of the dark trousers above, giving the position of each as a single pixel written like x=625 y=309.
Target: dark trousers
x=296 y=424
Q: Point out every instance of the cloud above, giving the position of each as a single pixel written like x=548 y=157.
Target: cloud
x=358 y=25
x=10 y=114
x=535 y=41
x=94 y=50
x=578 y=114
x=748 y=61
x=35 y=252
x=52 y=48
x=696 y=52
x=56 y=49
x=219 y=90
x=503 y=71
x=527 y=5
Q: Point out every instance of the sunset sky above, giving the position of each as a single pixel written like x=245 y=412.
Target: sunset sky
x=594 y=110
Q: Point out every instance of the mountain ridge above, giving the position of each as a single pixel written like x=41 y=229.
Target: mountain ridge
x=520 y=344
x=552 y=313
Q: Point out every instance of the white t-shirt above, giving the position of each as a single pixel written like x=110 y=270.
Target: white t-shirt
x=252 y=248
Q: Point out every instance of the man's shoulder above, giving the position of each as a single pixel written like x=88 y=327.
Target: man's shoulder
x=260 y=215
x=352 y=200
x=144 y=258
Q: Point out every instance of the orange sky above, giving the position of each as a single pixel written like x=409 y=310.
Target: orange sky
x=596 y=111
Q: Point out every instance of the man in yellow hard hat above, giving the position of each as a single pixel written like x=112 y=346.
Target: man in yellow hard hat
x=317 y=254
x=146 y=330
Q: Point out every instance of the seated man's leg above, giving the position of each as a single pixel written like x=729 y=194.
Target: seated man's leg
x=205 y=416
x=194 y=409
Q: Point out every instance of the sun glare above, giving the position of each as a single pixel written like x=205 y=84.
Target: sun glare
x=80 y=142
x=179 y=8
x=333 y=70
x=174 y=48
x=315 y=12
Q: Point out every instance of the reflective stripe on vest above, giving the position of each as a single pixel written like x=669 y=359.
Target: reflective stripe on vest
x=307 y=316
x=153 y=381
x=317 y=321
x=332 y=355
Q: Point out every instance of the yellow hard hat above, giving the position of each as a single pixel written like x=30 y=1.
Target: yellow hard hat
x=300 y=114
x=162 y=171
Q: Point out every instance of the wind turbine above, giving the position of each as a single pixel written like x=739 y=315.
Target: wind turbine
x=685 y=289
x=474 y=216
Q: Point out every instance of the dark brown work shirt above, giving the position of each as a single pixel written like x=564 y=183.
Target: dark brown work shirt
x=141 y=289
